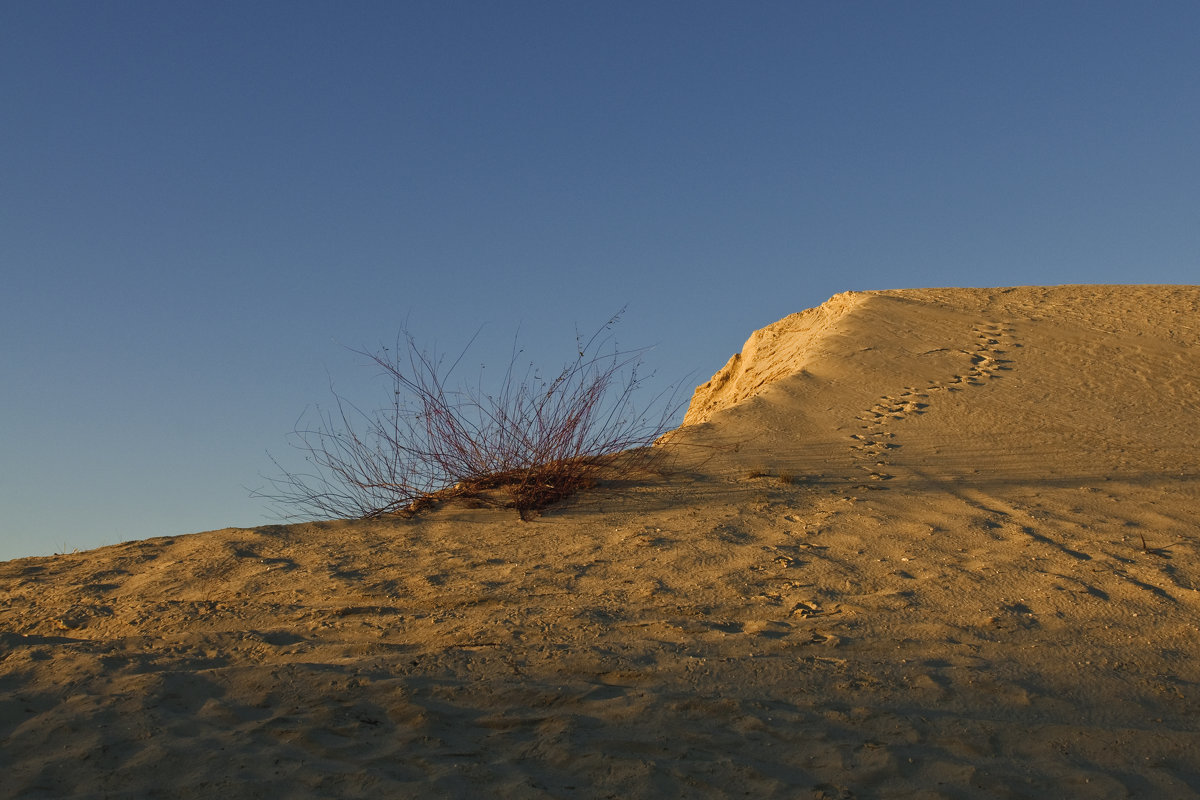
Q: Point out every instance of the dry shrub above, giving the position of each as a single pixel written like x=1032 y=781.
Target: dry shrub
x=533 y=440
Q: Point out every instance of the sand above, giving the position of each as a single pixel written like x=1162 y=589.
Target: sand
x=910 y=544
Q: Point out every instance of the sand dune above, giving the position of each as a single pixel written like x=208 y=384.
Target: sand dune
x=923 y=543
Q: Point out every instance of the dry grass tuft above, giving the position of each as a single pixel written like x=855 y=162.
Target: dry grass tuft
x=535 y=441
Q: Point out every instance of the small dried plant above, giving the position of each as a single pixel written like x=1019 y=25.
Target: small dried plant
x=535 y=440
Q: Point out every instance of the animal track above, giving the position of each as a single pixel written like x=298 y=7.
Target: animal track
x=875 y=441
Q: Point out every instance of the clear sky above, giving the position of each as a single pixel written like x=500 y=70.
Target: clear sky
x=202 y=204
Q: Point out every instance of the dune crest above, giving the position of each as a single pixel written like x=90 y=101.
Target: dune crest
x=770 y=353
x=901 y=321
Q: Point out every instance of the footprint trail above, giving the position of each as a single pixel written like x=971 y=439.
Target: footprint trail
x=875 y=440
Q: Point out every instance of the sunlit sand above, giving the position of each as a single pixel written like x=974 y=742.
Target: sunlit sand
x=923 y=543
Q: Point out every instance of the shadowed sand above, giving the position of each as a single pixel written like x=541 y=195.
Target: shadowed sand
x=925 y=543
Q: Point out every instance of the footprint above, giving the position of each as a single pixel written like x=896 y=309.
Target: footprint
x=768 y=629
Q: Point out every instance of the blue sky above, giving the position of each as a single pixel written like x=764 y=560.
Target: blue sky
x=203 y=204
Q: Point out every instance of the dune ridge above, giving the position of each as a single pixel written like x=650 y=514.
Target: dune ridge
x=936 y=543
x=780 y=349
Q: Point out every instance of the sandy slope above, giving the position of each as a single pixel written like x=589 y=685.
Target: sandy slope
x=980 y=582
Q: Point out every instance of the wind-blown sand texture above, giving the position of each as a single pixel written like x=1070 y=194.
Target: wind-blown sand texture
x=919 y=544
